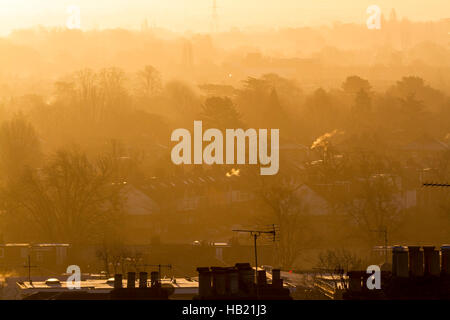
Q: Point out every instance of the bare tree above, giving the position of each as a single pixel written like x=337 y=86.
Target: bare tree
x=340 y=259
x=87 y=92
x=70 y=199
x=19 y=147
x=112 y=90
x=149 y=81
x=289 y=211
x=374 y=206
x=96 y=94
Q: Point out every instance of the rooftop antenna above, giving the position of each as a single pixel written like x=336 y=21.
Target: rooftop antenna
x=436 y=185
x=255 y=234
x=214 y=18
x=160 y=266
x=29 y=266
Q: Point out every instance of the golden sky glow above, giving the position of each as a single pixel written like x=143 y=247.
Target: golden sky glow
x=181 y=15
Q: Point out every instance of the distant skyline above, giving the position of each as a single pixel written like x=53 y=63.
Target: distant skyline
x=195 y=15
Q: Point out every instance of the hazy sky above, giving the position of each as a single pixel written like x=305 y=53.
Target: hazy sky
x=196 y=15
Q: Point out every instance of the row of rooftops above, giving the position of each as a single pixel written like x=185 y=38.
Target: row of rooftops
x=102 y=284
x=199 y=180
x=26 y=245
x=91 y=283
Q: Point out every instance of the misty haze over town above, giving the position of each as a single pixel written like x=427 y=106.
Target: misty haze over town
x=86 y=118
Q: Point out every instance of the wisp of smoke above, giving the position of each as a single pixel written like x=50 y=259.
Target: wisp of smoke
x=233 y=172
x=323 y=139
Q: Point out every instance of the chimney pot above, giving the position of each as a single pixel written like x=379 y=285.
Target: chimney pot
x=204 y=282
x=154 y=278
x=117 y=281
x=445 y=264
x=277 y=282
x=276 y=274
x=400 y=261
x=246 y=277
x=431 y=257
x=262 y=281
x=131 y=280
x=233 y=281
x=354 y=281
x=143 y=280
x=219 y=280
x=415 y=261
